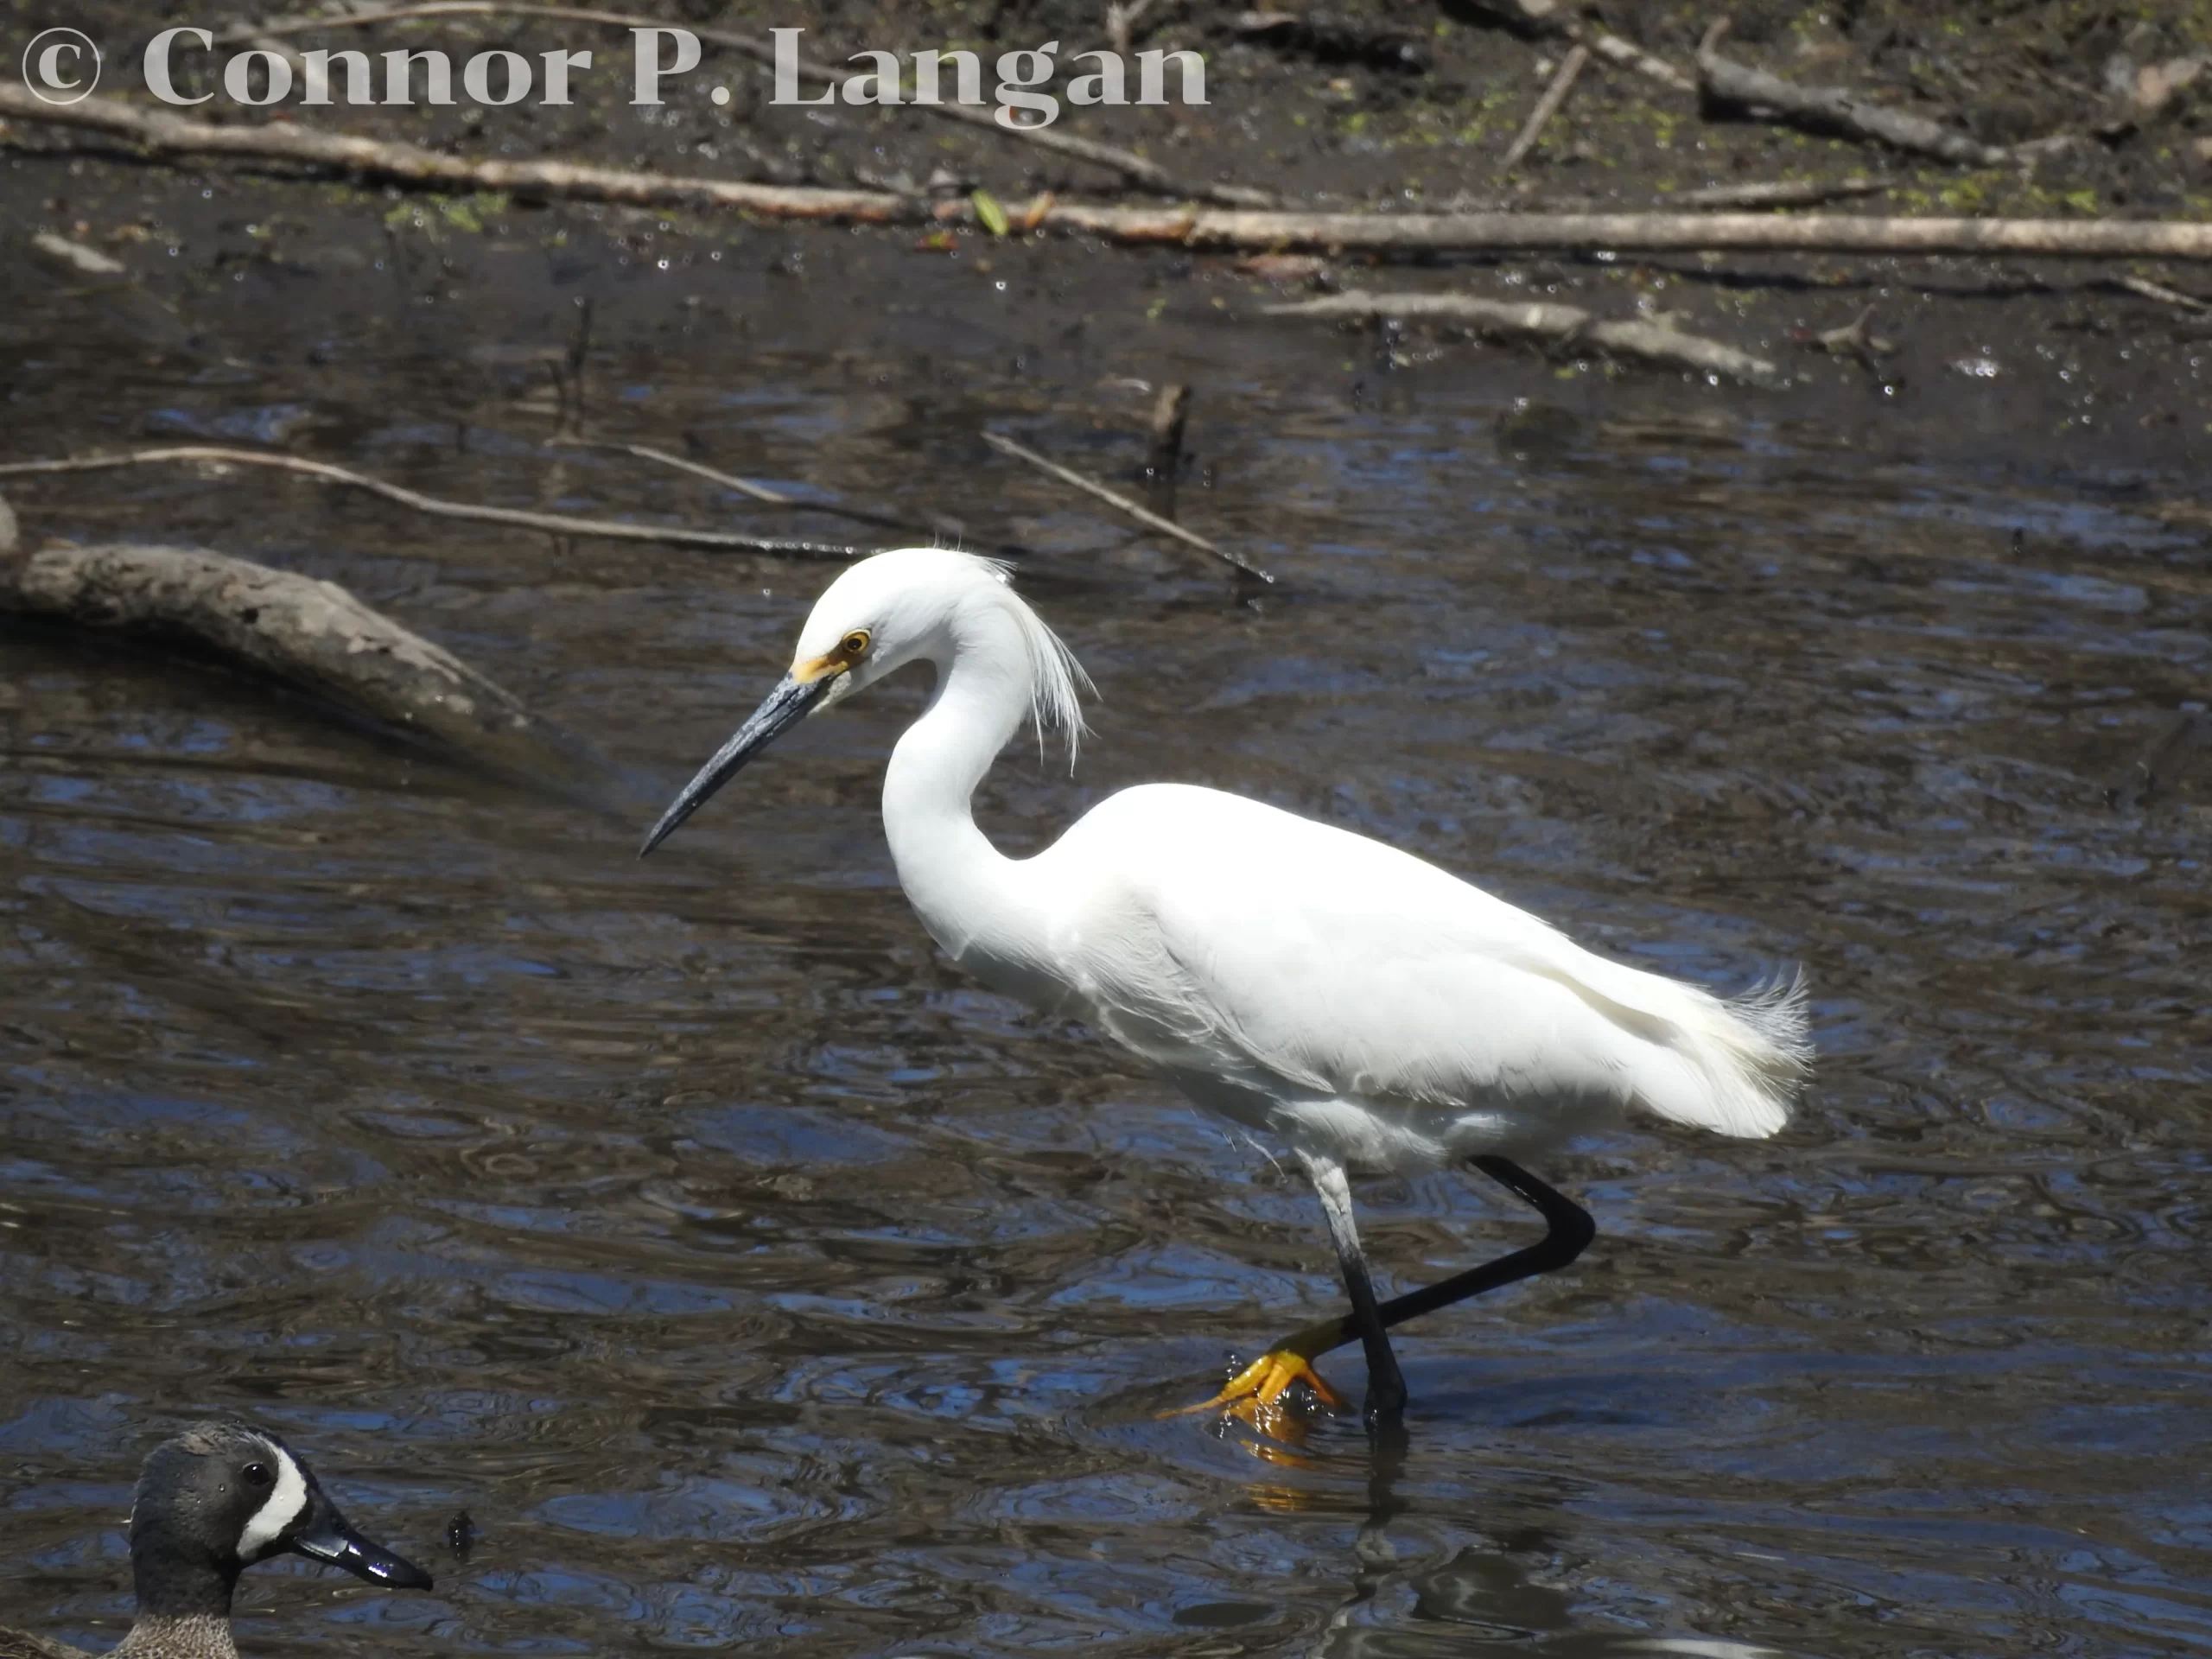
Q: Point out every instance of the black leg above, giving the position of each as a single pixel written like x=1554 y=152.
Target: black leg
x=1571 y=1230
x=1386 y=1386
x=1369 y=1323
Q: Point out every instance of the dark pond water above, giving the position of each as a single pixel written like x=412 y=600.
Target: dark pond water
x=753 y=1281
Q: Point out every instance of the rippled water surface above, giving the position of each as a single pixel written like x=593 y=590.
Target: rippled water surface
x=752 y=1280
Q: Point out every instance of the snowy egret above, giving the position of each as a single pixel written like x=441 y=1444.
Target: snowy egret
x=1373 y=1011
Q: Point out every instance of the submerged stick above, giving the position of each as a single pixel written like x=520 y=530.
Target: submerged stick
x=1164 y=464
x=1134 y=168
x=1562 y=83
x=1729 y=87
x=2160 y=768
x=753 y=492
x=761 y=492
x=1121 y=503
x=2160 y=292
x=557 y=523
x=316 y=635
x=1555 y=325
x=1186 y=227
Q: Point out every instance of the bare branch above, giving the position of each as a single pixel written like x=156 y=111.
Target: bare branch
x=1551 y=18
x=1727 y=86
x=1122 y=504
x=2160 y=292
x=557 y=523
x=1808 y=193
x=410 y=164
x=1564 y=325
x=1562 y=83
x=760 y=492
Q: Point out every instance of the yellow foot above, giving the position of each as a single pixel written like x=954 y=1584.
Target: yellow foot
x=1255 y=1394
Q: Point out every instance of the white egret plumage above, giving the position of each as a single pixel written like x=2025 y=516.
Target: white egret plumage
x=1370 y=1010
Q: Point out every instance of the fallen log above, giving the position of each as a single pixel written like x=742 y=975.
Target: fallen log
x=311 y=634
x=1641 y=233
x=1543 y=322
x=1185 y=228
x=1726 y=87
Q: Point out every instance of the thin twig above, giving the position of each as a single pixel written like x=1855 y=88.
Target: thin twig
x=1724 y=85
x=1122 y=503
x=760 y=492
x=75 y=258
x=2160 y=768
x=1122 y=22
x=1562 y=83
x=411 y=164
x=568 y=378
x=557 y=523
x=1614 y=49
x=1807 y=193
x=1553 y=18
x=1132 y=168
x=1561 y=326
x=2160 y=292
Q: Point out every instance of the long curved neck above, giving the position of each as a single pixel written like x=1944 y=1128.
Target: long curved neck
x=961 y=885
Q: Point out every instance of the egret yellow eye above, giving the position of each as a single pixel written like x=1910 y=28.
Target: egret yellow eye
x=854 y=644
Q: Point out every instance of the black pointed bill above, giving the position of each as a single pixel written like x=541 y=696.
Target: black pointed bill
x=323 y=1535
x=783 y=708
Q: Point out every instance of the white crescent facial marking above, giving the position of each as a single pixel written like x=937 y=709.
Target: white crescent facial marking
x=282 y=1507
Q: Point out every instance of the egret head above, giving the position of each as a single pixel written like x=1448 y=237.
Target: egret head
x=878 y=616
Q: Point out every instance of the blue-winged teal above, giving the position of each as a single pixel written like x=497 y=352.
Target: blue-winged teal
x=210 y=1503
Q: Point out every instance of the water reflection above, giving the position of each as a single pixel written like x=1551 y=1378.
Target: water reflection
x=752 y=1280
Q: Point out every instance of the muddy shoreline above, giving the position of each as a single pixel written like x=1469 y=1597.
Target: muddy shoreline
x=2058 y=346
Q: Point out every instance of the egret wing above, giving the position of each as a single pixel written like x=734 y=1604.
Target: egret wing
x=1347 y=969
